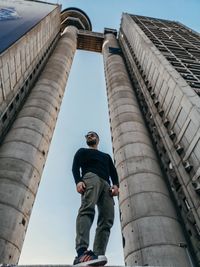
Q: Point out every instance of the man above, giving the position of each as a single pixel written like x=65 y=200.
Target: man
x=93 y=183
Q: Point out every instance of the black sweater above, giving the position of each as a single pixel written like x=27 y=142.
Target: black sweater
x=93 y=160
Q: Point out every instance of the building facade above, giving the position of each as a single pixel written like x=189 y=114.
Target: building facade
x=163 y=61
x=153 y=83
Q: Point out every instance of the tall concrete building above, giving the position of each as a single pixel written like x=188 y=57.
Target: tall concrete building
x=163 y=61
x=152 y=71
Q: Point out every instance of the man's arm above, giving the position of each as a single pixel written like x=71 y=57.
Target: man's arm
x=113 y=172
x=80 y=185
x=76 y=167
x=114 y=178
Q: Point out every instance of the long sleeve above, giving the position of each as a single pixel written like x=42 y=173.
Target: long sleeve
x=113 y=173
x=76 y=167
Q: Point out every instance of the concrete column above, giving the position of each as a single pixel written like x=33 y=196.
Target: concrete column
x=24 y=151
x=151 y=231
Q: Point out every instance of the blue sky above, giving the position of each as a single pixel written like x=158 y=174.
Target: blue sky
x=51 y=231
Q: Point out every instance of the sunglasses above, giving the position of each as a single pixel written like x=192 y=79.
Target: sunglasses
x=90 y=135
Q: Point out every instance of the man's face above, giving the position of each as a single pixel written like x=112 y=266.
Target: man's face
x=92 y=139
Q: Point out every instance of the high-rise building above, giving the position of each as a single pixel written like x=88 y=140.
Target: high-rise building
x=152 y=70
x=163 y=61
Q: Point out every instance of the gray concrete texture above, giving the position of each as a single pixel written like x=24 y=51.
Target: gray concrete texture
x=181 y=107
x=62 y=265
x=151 y=231
x=20 y=59
x=24 y=150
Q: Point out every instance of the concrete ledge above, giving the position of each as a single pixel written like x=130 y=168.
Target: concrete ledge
x=61 y=265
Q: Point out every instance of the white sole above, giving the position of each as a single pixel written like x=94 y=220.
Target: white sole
x=98 y=262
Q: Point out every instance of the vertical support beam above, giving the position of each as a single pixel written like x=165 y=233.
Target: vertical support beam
x=24 y=150
x=151 y=232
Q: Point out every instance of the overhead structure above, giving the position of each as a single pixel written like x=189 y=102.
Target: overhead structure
x=75 y=17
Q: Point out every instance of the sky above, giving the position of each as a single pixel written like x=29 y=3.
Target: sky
x=51 y=231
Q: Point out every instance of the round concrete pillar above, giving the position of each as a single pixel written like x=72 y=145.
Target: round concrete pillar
x=151 y=231
x=24 y=150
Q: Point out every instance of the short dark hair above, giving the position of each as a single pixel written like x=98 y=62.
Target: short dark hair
x=92 y=132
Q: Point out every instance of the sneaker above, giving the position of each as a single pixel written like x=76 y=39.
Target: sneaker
x=88 y=258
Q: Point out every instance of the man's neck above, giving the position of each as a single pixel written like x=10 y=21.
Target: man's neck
x=93 y=147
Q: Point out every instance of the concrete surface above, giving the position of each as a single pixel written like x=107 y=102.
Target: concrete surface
x=24 y=150
x=150 y=227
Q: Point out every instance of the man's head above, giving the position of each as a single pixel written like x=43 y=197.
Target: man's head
x=92 y=139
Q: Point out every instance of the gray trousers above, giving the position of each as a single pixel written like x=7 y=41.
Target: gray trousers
x=97 y=193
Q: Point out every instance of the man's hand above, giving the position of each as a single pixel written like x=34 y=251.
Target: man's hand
x=114 y=190
x=80 y=187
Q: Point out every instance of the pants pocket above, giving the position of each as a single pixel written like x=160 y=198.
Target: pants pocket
x=88 y=175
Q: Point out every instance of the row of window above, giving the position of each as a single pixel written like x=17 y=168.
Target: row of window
x=177 y=52
x=177 y=188
x=13 y=108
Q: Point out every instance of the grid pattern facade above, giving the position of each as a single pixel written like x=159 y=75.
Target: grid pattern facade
x=21 y=64
x=171 y=109
x=180 y=46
